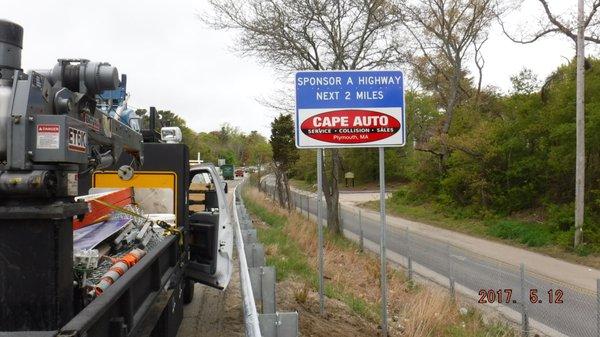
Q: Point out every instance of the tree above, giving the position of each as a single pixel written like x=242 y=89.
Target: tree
x=259 y=152
x=579 y=28
x=525 y=82
x=285 y=155
x=444 y=31
x=314 y=34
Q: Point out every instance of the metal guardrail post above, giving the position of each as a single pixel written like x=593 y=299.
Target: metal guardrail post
x=280 y=324
x=263 y=288
x=524 y=316
x=255 y=254
x=249 y=235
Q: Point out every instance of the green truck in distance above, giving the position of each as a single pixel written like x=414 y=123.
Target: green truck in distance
x=227 y=171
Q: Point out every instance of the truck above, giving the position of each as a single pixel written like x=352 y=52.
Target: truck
x=66 y=166
x=227 y=171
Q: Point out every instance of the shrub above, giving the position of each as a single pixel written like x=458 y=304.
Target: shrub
x=530 y=234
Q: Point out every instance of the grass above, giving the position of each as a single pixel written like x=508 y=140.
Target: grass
x=290 y=261
x=303 y=185
x=531 y=235
x=352 y=277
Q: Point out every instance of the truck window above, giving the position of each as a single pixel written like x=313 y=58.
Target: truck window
x=201 y=185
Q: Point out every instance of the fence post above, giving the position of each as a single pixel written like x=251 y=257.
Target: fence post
x=360 y=229
x=450 y=272
x=341 y=219
x=598 y=307
x=408 y=256
x=524 y=316
x=307 y=207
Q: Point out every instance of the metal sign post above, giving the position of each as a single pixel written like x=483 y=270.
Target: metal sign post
x=382 y=235
x=320 y=226
x=350 y=108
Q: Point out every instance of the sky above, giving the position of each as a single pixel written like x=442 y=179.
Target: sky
x=175 y=62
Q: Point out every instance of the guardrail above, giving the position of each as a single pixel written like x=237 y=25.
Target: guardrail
x=250 y=313
x=257 y=281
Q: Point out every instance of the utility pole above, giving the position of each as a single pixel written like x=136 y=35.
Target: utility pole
x=580 y=122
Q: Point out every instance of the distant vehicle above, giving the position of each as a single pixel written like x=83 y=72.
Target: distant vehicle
x=239 y=173
x=227 y=171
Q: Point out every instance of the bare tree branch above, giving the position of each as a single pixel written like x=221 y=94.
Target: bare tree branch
x=479 y=63
x=555 y=25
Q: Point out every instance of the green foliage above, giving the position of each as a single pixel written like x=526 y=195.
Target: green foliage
x=525 y=82
x=228 y=142
x=305 y=167
x=561 y=216
x=282 y=143
x=530 y=234
x=517 y=152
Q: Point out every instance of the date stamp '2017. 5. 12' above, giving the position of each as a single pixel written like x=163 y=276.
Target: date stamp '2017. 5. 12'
x=504 y=296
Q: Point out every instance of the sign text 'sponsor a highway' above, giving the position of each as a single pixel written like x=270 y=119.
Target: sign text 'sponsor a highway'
x=350 y=108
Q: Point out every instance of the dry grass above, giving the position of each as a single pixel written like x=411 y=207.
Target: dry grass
x=301 y=294
x=413 y=311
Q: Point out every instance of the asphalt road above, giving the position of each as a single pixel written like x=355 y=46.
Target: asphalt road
x=576 y=316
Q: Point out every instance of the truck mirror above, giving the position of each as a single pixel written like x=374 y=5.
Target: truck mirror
x=225 y=188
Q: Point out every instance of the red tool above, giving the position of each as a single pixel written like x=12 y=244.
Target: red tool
x=100 y=212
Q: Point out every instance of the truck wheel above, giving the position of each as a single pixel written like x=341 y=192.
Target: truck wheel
x=188 y=291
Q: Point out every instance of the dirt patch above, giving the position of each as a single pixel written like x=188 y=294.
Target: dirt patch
x=339 y=319
x=214 y=313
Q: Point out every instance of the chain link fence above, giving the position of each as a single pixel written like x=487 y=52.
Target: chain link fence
x=534 y=301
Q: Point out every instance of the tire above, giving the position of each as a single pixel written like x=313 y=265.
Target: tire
x=188 y=291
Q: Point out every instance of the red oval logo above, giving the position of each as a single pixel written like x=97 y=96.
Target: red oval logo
x=350 y=126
